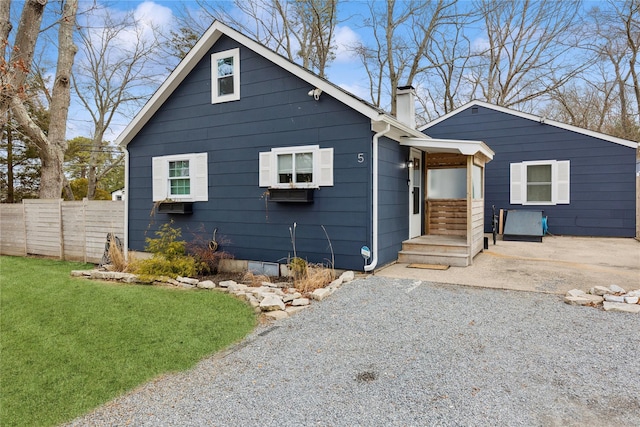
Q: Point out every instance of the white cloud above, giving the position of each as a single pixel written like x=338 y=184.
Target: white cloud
x=345 y=40
x=151 y=15
x=480 y=44
x=358 y=90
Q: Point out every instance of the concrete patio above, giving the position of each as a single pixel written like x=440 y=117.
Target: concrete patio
x=556 y=265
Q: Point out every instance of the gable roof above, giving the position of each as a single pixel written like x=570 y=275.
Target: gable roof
x=202 y=47
x=397 y=130
x=539 y=119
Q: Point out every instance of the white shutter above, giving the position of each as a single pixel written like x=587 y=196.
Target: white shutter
x=199 y=177
x=561 y=182
x=517 y=183
x=159 y=178
x=325 y=169
x=264 y=172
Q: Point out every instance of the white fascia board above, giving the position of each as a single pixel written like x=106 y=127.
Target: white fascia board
x=466 y=147
x=538 y=119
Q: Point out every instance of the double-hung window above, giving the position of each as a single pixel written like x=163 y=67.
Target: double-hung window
x=179 y=180
x=225 y=76
x=543 y=182
x=297 y=167
x=181 y=177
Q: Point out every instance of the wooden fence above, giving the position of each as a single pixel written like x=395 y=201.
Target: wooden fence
x=74 y=231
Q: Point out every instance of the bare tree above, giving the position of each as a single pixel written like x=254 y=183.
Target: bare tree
x=115 y=70
x=51 y=142
x=301 y=30
x=605 y=98
x=525 y=52
x=402 y=34
x=443 y=86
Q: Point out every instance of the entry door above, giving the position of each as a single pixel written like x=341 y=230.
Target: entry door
x=415 y=193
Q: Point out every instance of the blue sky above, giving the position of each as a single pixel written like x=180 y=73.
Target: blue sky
x=345 y=71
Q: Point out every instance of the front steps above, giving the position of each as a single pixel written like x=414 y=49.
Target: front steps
x=434 y=249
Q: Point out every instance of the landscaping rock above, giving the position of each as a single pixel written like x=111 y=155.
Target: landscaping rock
x=270 y=298
x=623 y=307
x=320 y=294
x=299 y=302
x=187 y=280
x=576 y=293
x=347 y=276
x=272 y=303
x=613 y=298
x=631 y=299
x=226 y=283
x=293 y=310
x=206 y=284
x=277 y=315
x=600 y=290
x=617 y=289
x=584 y=299
x=236 y=287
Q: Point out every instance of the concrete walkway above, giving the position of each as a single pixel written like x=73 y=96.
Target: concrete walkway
x=556 y=265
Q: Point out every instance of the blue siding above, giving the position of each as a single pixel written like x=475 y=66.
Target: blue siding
x=602 y=173
x=274 y=111
x=393 y=198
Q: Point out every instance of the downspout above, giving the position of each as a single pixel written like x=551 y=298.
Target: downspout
x=374 y=245
x=125 y=198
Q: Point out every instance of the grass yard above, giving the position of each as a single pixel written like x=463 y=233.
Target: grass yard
x=68 y=345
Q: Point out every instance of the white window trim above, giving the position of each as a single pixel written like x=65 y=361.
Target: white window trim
x=235 y=54
x=198 y=176
x=322 y=167
x=560 y=182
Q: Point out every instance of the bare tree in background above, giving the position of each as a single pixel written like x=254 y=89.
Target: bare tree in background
x=448 y=56
x=402 y=33
x=526 y=48
x=301 y=30
x=51 y=142
x=115 y=70
x=606 y=97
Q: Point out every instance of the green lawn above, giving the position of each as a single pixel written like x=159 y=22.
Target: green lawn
x=67 y=345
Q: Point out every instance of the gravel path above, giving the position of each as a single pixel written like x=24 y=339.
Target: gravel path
x=392 y=352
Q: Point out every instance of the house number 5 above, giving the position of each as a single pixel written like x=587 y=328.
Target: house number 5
x=360 y=157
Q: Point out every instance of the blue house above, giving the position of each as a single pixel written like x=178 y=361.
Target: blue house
x=582 y=181
x=240 y=140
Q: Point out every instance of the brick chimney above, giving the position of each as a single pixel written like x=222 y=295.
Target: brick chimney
x=406 y=106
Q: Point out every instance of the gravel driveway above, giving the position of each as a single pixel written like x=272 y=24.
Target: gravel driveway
x=398 y=352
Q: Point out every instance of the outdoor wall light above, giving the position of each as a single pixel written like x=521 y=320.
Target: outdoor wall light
x=409 y=164
x=315 y=93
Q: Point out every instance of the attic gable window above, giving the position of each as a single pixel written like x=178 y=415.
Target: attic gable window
x=544 y=182
x=297 y=167
x=225 y=76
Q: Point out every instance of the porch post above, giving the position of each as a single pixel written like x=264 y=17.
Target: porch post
x=470 y=208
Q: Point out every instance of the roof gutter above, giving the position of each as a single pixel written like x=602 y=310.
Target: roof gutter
x=374 y=246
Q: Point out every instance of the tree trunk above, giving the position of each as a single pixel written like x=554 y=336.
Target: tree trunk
x=13 y=76
x=53 y=156
x=10 y=190
x=51 y=173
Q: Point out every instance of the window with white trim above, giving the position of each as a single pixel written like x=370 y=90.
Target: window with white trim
x=296 y=167
x=544 y=182
x=181 y=177
x=225 y=76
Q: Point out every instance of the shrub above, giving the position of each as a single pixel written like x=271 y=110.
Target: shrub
x=169 y=255
x=207 y=253
x=315 y=277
